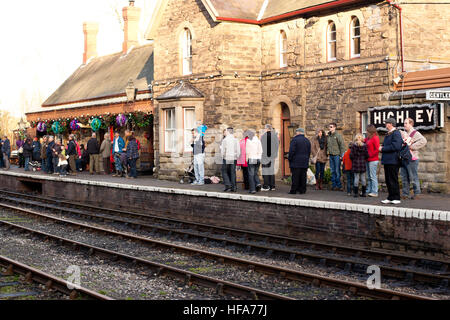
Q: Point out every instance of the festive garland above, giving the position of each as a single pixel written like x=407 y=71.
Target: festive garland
x=138 y=119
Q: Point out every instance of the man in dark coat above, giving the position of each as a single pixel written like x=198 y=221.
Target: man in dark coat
x=6 y=152
x=27 y=153
x=389 y=158
x=50 y=146
x=132 y=156
x=93 y=149
x=72 y=153
x=299 y=152
x=270 y=144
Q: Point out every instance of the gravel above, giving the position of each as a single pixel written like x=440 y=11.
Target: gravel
x=198 y=265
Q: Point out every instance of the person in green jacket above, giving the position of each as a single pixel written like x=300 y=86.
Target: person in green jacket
x=335 y=150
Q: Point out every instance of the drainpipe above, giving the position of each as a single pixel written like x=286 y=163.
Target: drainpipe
x=401 y=32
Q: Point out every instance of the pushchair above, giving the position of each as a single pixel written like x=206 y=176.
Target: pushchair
x=35 y=165
x=189 y=174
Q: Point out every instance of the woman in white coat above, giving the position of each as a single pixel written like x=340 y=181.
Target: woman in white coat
x=253 y=152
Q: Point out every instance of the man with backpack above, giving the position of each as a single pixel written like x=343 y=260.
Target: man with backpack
x=415 y=141
x=390 y=159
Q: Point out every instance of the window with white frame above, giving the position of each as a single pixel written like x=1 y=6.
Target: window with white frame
x=331 y=41
x=169 y=130
x=186 y=48
x=283 y=49
x=189 y=124
x=364 y=123
x=355 y=38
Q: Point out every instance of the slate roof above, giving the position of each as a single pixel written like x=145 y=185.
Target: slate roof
x=240 y=9
x=181 y=90
x=106 y=76
x=250 y=9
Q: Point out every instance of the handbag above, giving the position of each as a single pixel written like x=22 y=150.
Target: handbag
x=314 y=159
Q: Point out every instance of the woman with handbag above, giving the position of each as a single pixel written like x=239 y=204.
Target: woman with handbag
x=319 y=156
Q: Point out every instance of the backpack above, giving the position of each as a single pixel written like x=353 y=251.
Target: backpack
x=404 y=155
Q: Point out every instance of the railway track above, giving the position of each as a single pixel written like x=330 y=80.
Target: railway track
x=397 y=266
x=18 y=288
x=190 y=278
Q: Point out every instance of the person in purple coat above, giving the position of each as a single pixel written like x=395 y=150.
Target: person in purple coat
x=359 y=155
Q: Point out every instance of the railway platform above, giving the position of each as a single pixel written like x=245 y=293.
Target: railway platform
x=422 y=224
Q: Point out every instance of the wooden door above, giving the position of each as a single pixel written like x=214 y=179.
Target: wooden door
x=286 y=141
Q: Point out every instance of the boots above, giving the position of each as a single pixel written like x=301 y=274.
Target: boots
x=320 y=184
x=363 y=193
x=317 y=184
x=355 y=192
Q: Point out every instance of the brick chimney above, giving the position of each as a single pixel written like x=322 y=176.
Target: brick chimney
x=131 y=17
x=90 y=30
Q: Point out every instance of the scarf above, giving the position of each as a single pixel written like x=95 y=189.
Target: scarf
x=321 y=141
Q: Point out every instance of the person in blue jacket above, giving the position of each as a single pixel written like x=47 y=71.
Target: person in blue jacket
x=390 y=159
x=118 y=146
x=299 y=152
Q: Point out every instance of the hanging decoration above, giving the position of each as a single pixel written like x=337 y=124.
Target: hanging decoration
x=74 y=125
x=121 y=120
x=56 y=127
x=96 y=124
x=202 y=129
x=41 y=127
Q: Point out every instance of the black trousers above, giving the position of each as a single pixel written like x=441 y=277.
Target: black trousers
x=299 y=180
x=268 y=173
x=391 y=176
x=245 y=175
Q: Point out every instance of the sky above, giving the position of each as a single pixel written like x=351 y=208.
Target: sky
x=43 y=44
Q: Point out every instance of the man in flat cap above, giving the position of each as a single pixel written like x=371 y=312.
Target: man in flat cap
x=389 y=158
x=299 y=152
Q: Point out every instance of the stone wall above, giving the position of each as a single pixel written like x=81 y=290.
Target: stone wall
x=426 y=33
x=346 y=227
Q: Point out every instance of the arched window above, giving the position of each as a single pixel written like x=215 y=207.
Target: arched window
x=355 y=38
x=331 y=41
x=186 y=48
x=283 y=49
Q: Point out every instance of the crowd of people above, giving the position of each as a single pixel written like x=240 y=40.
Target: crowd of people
x=52 y=156
x=359 y=161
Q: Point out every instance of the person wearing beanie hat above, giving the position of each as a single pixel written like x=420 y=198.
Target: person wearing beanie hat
x=390 y=149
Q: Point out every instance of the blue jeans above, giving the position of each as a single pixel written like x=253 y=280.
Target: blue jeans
x=372 y=180
x=44 y=165
x=199 y=167
x=78 y=164
x=253 y=178
x=50 y=168
x=409 y=175
x=133 y=171
x=320 y=170
x=350 y=180
x=117 y=162
x=27 y=162
x=335 y=166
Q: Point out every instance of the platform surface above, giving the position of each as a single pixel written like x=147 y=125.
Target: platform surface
x=429 y=206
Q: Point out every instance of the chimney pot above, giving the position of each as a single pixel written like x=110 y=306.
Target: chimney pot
x=90 y=30
x=131 y=17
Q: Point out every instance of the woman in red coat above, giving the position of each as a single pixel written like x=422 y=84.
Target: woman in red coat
x=373 y=146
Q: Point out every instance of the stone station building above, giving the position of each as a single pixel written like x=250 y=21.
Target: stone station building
x=306 y=63
x=247 y=63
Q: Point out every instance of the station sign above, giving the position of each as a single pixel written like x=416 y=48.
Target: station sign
x=438 y=95
x=426 y=116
